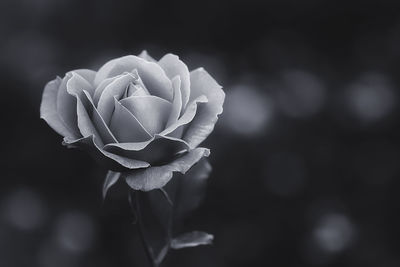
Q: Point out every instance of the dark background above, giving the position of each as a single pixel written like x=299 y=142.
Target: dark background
x=305 y=156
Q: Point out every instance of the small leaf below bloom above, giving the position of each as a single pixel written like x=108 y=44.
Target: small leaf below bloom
x=111 y=179
x=192 y=239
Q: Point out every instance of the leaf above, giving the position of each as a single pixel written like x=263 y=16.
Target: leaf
x=192 y=239
x=155 y=220
x=191 y=188
x=111 y=179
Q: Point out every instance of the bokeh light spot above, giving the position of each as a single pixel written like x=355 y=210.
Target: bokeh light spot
x=24 y=209
x=285 y=174
x=302 y=94
x=334 y=233
x=371 y=97
x=75 y=232
x=246 y=111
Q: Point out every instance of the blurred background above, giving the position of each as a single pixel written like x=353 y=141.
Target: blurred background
x=305 y=157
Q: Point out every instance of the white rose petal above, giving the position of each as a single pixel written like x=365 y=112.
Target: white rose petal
x=86 y=74
x=187 y=116
x=165 y=146
x=206 y=117
x=177 y=101
x=104 y=131
x=110 y=160
x=126 y=126
x=156 y=177
x=48 y=109
x=101 y=87
x=151 y=111
x=66 y=104
x=115 y=89
x=151 y=73
x=173 y=66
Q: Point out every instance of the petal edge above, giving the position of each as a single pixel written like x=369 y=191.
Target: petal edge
x=158 y=176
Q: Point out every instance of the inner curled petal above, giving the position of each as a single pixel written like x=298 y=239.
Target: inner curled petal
x=134 y=90
x=153 y=76
x=166 y=147
x=173 y=66
x=177 y=101
x=98 y=122
x=151 y=111
x=126 y=126
x=101 y=87
x=116 y=89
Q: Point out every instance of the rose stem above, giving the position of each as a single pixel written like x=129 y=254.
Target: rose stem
x=146 y=245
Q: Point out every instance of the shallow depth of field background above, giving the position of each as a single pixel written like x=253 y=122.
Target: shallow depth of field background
x=305 y=157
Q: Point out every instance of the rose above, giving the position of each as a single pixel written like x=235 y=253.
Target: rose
x=143 y=119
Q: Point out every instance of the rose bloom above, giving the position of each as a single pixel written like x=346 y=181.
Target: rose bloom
x=143 y=119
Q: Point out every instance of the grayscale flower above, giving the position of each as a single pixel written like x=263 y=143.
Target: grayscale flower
x=143 y=119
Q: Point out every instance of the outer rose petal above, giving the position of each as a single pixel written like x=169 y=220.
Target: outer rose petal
x=76 y=86
x=48 y=109
x=66 y=106
x=207 y=115
x=110 y=160
x=158 y=149
x=173 y=66
x=72 y=84
x=87 y=74
x=156 y=177
x=151 y=73
x=187 y=117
